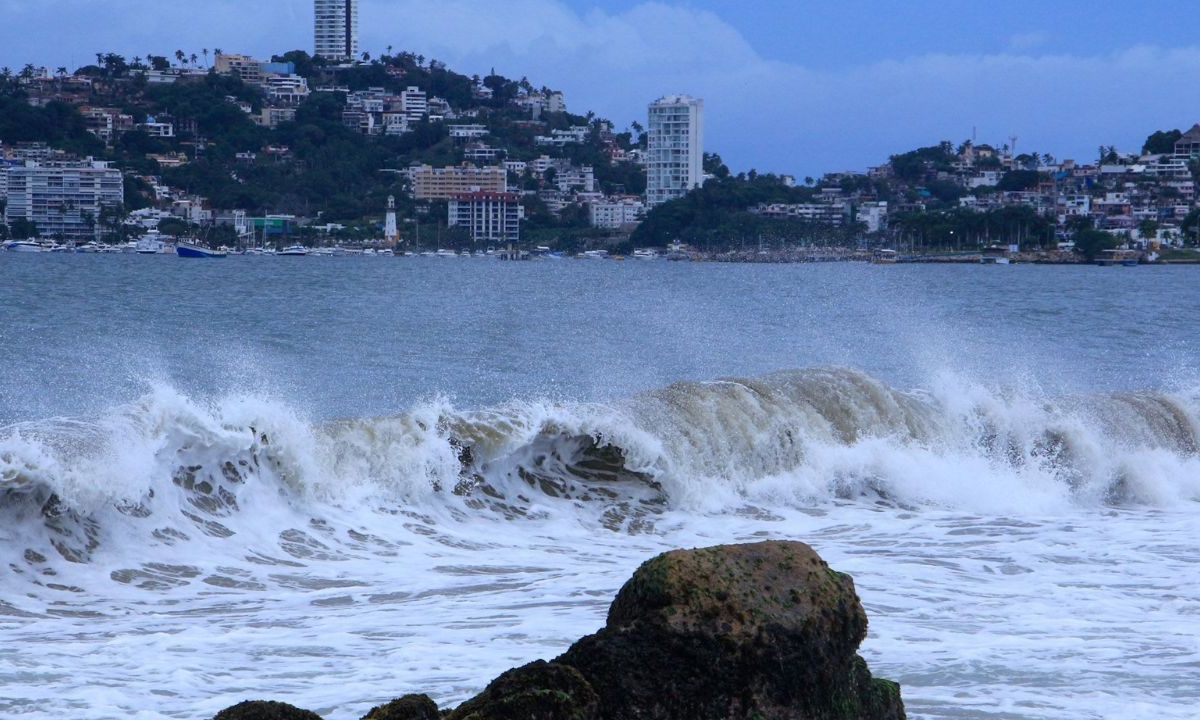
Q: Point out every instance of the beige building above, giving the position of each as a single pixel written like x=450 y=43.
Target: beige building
x=430 y=183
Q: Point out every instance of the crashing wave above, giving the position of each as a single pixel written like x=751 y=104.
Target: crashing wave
x=175 y=468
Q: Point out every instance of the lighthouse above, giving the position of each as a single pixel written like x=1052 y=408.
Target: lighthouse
x=391 y=235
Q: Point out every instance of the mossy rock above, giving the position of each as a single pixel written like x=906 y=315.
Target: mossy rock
x=741 y=591
x=765 y=631
x=265 y=710
x=537 y=691
x=408 y=707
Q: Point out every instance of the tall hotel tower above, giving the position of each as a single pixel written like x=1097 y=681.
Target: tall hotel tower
x=335 y=30
x=675 y=154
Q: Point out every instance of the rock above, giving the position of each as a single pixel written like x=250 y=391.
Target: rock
x=409 y=707
x=764 y=631
x=537 y=691
x=265 y=710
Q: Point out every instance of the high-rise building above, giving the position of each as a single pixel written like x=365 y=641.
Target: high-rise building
x=64 y=199
x=675 y=154
x=335 y=29
x=491 y=218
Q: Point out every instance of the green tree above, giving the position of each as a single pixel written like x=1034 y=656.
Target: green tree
x=1161 y=142
x=1092 y=243
x=22 y=229
x=1019 y=180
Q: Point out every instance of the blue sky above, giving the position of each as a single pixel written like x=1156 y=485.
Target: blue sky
x=800 y=87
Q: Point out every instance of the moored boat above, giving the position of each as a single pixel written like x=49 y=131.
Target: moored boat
x=22 y=246
x=188 y=250
x=150 y=244
x=295 y=251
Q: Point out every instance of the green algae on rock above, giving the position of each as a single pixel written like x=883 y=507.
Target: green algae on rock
x=762 y=631
x=408 y=707
x=765 y=630
x=265 y=710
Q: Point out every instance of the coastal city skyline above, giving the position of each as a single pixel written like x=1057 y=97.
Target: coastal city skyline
x=599 y=359
x=773 y=103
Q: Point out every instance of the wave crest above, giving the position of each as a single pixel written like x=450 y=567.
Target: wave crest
x=183 y=468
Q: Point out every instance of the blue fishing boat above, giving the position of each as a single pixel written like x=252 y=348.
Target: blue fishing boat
x=187 y=250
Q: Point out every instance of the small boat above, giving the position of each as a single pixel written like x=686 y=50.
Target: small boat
x=90 y=247
x=295 y=251
x=645 y=254
x=445 y=253
x=1113 y=258
x=150 y=244
x=188 y=250
x=22 y=246
x=885 y=256
x=386 y=252
x=995 y=255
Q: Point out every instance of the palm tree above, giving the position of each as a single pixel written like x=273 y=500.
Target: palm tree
x=205 y=51
x=389 y=50
x=194 y=59
x=366 y=57
x=180 y=56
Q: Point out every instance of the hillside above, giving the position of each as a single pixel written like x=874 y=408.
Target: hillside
x=313 y=166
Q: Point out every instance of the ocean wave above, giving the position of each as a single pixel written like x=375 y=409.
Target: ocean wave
x=170 y=466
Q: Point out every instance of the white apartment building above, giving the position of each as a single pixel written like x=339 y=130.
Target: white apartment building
x=582 y=179
x=825 y=213
x=153 y=128
x=491 y=218
x=63 y=198
x=287 y=89
x=874 y=215
x=416 y=104
x=675 y=156
x=468 y=132
x=615 y=214
x=335 y=29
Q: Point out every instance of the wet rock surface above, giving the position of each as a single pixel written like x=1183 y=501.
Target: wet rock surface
x=265 y=710
x=762 y=631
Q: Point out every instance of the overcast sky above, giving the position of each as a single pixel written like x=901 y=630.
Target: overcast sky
x=794 y=86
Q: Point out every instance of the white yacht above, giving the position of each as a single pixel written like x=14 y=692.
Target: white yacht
x=150 y=244
x=294 y=250
x=22 y=246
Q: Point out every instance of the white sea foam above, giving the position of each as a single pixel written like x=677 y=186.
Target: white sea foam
x=1020 y=555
